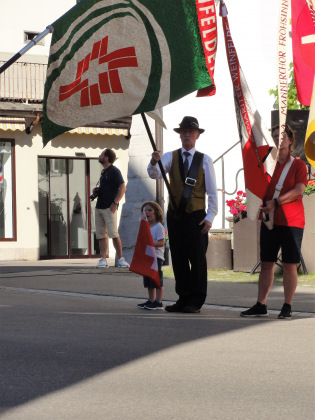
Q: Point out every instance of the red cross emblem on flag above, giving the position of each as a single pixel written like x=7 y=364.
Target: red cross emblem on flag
x=108 y=81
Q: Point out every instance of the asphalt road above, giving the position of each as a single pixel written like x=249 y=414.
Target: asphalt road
x=73 y=345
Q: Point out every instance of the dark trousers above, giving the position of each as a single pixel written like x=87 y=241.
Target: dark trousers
x=188 y=250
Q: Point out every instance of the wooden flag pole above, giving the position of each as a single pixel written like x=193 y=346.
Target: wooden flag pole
x=31 y=44
x=159 y=162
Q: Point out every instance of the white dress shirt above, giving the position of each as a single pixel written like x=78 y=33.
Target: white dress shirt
x=210 y=181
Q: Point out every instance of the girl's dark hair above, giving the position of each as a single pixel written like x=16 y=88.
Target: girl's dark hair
x=111 y=155
x=157 y=210
x=289 y=132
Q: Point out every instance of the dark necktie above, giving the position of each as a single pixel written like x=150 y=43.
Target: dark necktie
x=186 y=162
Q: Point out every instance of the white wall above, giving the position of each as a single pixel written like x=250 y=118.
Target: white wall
x=18 y=16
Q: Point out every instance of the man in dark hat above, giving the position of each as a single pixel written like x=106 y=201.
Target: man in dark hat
x=192 y=178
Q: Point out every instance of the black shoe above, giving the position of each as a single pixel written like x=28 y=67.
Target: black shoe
x=190 y=309
x=174 y=308
x=159 y=305
x=142 y=305
x=286 y=312
x=150 y=305
x=257 y=310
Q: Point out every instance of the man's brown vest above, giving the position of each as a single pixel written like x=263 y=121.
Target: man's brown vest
x=197 y=197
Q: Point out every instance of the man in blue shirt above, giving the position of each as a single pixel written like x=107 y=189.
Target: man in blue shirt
x=111 y=190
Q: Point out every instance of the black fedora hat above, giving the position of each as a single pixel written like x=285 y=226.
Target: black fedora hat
x=189 y=122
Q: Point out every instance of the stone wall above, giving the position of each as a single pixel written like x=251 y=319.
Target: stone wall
x=246 y=234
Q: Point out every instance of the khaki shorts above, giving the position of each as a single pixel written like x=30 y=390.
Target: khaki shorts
x=106 y=224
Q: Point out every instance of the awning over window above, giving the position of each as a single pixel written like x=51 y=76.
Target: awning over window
x=13 y=124
x=100 y=130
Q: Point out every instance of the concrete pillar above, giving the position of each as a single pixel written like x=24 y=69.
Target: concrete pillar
x=140 y=187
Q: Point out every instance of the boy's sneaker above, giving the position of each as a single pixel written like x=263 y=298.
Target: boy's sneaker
x=122 y=263
x=142 y=305
x=159 y=305
x=150 y=305
x=286 y=312
x=102 y=263
x=257 y=310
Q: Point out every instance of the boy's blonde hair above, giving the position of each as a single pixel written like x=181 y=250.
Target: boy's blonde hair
x=157 y=210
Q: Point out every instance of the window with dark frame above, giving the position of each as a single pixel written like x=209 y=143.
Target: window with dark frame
x=29 y=36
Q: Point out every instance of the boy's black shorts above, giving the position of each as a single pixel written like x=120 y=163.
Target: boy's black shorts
x=147 y=282
x=288 y=238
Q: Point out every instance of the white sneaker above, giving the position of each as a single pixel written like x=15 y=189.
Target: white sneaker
x=102 y=263
x=122 y=263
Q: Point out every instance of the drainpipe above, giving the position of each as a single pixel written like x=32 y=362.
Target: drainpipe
x=36 y=121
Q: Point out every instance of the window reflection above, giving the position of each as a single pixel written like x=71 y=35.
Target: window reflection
x=6 y=191
x=58 y=208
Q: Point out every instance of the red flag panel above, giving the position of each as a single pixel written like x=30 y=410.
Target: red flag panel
x=144 y=260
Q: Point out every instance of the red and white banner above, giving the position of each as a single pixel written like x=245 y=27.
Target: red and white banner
x=303 y=43
x=282 y=57
x=258 y=149
x=144 y=260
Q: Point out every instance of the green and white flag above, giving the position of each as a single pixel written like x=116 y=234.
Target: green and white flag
x=114 y=58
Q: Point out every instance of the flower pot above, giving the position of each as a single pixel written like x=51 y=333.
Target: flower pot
x=230 y=219
x=219 y=254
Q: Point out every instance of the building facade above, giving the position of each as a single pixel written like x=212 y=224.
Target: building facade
x=45 y=209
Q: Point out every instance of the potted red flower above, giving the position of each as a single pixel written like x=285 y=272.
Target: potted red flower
x=237 y=206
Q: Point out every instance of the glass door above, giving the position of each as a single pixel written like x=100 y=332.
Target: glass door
x=58 y=208
x=7 y=194
x=78 y=215
x=66 y=215
x=43 y=200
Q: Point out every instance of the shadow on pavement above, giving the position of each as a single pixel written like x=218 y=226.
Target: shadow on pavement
x=51 y=341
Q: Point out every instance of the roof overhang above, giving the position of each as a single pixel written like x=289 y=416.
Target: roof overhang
x=119 y=127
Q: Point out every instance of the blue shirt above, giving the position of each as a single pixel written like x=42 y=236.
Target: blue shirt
x=110 y=181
